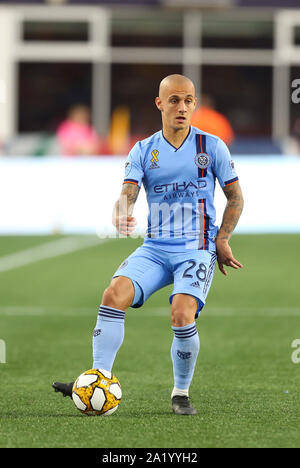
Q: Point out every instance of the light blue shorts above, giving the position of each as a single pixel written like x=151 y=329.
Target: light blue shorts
x=150 y=269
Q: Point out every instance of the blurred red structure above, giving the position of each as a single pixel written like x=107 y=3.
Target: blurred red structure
x=209 y=120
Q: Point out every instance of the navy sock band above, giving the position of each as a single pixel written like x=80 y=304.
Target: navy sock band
x=110 y=312
x=185 y=332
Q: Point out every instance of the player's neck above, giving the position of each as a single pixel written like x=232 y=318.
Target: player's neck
x=175 y=137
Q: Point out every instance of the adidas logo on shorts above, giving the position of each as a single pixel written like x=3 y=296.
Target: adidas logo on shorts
x=196 y=284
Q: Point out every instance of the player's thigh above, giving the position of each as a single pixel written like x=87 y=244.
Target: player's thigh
x=147 y=271
x=193 y=274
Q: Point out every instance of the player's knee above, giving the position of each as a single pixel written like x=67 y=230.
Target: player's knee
x=117 y=296
x=183 y=311
x=112 y=298
x=180 y=317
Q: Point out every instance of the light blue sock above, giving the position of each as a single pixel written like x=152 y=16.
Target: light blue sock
x=108 y=337
x=184 y=352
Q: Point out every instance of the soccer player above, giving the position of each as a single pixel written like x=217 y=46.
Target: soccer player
x=178 y=167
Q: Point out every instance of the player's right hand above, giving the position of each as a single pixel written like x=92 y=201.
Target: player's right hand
x=125 y=225
x=225 y=257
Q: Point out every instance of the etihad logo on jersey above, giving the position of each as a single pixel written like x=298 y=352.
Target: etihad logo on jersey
x=180 y=187
x=154 y=160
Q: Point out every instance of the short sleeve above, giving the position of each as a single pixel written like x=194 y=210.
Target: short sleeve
x=134 y=172
x=224 y=166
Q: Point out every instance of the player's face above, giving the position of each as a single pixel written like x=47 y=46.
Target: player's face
x=177 y=103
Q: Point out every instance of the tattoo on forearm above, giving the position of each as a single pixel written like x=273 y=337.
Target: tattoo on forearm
x=131 y=191
x=128 y=197
x=233 y=211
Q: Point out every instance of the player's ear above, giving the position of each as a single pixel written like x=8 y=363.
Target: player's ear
x=158 y=103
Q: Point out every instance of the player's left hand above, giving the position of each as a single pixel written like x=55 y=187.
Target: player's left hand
x=225 y=257
x=126 y=225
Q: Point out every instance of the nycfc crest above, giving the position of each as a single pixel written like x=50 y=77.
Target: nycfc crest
x=202 y=160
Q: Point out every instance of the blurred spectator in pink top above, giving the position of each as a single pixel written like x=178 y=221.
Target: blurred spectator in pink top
x=76 y=135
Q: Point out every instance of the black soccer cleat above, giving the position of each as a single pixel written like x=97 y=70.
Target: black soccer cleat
x=64 y=388
x=181 y=405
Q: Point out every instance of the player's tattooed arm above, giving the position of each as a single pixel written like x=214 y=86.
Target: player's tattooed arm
x=231 y=216
x=233 y=210
x=123 y=209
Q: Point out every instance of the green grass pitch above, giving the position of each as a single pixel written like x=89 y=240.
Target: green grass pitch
x=246 y=387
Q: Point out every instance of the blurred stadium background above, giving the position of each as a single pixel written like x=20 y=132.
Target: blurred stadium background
x=106 y=58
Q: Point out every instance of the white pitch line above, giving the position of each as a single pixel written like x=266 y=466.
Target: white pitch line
x=48 y=250
x=63 y=311
x=262 y=312
x=33 y=310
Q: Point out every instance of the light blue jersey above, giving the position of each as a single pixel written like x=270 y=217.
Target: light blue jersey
x=180 y=186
